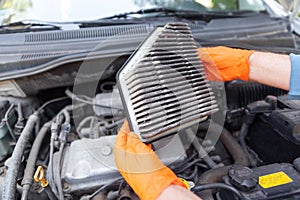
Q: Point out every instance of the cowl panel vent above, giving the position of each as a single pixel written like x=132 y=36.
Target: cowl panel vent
x=89 y=33
x=164 y=86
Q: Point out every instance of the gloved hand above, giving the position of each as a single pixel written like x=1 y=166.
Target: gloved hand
x=140 y=166
x=226 y=64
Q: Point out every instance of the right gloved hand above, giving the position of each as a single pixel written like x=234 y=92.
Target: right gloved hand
x=226 y=64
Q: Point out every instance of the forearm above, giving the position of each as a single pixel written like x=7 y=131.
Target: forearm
x=270 y=69
x=177 y=192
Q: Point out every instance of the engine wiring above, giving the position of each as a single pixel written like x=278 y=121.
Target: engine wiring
x=50 y=102
x=55 y=126
x=223 y=186
x=6 y=120
x=31 y=162
x=87 y=100
x=63 y=136
x=101 y=189
x=16 y=158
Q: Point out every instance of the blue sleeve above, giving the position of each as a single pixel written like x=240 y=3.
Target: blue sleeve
x=295 y=77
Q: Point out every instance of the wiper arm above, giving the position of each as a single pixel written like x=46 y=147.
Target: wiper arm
x=182 y=13
x=36 y=25
x=164 y=10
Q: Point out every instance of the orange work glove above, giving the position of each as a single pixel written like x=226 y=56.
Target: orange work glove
x=140 y=166
x=226 y=64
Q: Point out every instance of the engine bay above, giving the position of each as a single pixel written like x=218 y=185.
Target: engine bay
x=56 y=140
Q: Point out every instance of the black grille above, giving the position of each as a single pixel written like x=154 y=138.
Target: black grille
x=240 y=94
x=89 y=33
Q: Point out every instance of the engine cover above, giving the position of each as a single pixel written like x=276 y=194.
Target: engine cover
x=89 y=163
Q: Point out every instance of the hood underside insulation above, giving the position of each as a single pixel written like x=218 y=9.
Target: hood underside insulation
x=164 y=86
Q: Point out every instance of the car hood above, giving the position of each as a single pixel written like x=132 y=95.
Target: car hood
x=285 y=8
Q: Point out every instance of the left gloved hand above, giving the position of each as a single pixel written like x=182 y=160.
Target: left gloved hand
x=140 y=166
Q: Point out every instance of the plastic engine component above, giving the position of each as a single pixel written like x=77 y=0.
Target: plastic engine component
x=163 y=85
x=277 y=131
x=276 y=181
x=239 y=94
x=89 y=163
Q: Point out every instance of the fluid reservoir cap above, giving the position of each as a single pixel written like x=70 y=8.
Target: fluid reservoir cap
x=241 y=178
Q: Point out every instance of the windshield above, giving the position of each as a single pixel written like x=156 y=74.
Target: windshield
x=78 y=10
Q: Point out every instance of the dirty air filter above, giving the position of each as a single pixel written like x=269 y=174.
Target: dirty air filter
x=163 y=85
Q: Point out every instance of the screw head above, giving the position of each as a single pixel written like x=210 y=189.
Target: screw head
x=66 y=187
x=106 y=150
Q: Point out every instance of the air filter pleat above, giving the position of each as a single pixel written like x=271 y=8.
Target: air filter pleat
x=165 y=84
x=180 y=66
x=166 y=99
x=135 y=92
x=167 y=68
x=175 y=80
x=163 y=71
x=174 y=43
x=171 y=106
x=168 y=78
x=154 y=76
x=167 y=93
x=172 y=40
x=160 y=117
x=154 y=55
x=162 y=52
x=183 y=117
x=171 y=47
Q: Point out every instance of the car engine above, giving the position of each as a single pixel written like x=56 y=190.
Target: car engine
x=57 y=142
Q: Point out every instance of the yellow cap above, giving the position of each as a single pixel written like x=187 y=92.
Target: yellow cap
x=185 y=183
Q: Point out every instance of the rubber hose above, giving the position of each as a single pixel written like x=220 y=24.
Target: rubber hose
x=234 y=148
x=203 y=154
x=58 y=172
x=25 y=192
x=100 y=196
x=30 y=166
x=49 y=193
x=243 y=134
x=215 y=175
x=219 y=186
x=9 y=188
x=200 y=150
x=211 y=176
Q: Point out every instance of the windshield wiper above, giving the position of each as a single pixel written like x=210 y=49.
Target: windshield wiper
x=30 y=25
x=182 y=13
x=144 y=11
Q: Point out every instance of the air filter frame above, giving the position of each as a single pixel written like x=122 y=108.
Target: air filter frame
x=130 y=66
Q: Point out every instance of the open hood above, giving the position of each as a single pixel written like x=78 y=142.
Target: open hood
x=285 y=8
x=294 y=15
